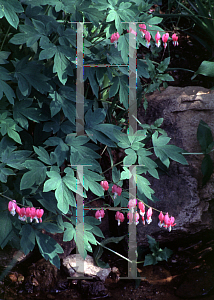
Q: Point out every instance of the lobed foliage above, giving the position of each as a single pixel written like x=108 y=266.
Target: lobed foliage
x=39 y=149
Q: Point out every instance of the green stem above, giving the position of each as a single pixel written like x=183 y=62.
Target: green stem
x=99 y=26
x=109 y=102
x=96 y=44
x=112 y=167
x=114 y=252
x=172 y=69
x=192 y=153
x=6 y=34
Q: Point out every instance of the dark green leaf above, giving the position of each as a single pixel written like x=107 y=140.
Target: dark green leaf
x=206 y=68
x=4 y=172
x=49 y=227
x=27 y=239
x=150 y=260
x=115 y=174
x=7 y=90
x=6 y=228
x=206 y=168
x=37 y=174
x=143 y=186
x=48 y=247
x=9 y=10
x=204 y=135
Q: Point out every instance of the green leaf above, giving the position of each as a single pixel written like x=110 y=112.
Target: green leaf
x=48 y=201
x=130 y=159
x=112 y=240
x=165 y=254
x=124 y=5
x=114 y=88
x=158 y=122
x=123 y=46
x=91 y=220
x=59 y=100
x=204 y=135
x=8 y=125
x=28 y=73
x=142 y=69
x=126 y=174
x=23 y=110
x=36 y=175
x=147 y=162
x=49 y=248
x=163 y=65
x=164 y=77
x=14 y=135
x=154 y=20
x=80 y=241
x=6 y=227
x=206 y=168
x=12 y=158
x=90 y=74
x=111 y=16
x=143 y=186
x=69 y=233
x=97 y=231
x=9 y=10
x=206 y=68
x=153 y=245
x=63 y=194
x=96 y=188
x=105 y=133
x=60 y=65
x=4 y=172
x=7 y=90
x=43 y=155
x=28 y=238
x=150 y=260
x=115 y=174
x=49 y=227
x=3 y=57
x=164 y=151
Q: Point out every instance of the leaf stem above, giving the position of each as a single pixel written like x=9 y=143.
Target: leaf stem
x=6 y=34
x=114 y=252
x=192 y=153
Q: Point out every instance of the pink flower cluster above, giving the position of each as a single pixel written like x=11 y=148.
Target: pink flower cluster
x=142 y=28
x=164 y=221
x=23 y=213
x=141 y=206
x=116 y=190
x=99 y=214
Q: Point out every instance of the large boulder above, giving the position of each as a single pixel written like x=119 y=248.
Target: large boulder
x=180 y=191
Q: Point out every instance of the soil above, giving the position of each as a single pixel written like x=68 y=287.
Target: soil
x=188 y=274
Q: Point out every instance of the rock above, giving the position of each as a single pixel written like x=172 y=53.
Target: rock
x=180 y=191
x=92 y=289
x=89 y=267
x=43 y=277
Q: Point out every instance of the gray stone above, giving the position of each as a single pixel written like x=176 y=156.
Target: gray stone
x=89 y=267
x=180 y=191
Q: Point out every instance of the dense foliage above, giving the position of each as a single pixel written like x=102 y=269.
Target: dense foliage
x=39 y=149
